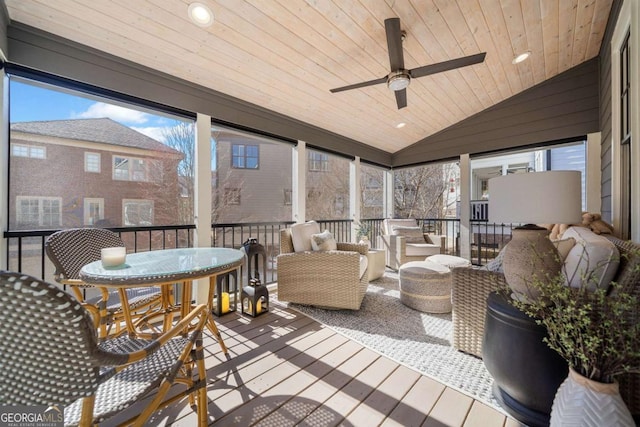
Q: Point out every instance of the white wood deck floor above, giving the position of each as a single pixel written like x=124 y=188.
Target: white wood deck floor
x=286 y=369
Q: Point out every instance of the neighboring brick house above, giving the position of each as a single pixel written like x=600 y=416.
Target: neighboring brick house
x=83 y=172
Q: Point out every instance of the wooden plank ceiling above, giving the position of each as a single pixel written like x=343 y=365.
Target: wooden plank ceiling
x=285 y=55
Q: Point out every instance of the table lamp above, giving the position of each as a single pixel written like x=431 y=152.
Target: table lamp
x=550 y=197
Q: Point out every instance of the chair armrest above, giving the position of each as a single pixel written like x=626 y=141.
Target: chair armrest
x=353 y=247
x=437 y=239
x=470 y=288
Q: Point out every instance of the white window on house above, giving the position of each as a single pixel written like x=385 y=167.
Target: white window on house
x=288 y=197
x=92 y=162
x=93 y=211
x=32 y=151
x=38 y=211
x=318 y=162
x=245 y=156
x=135 y=169
x=137 y=212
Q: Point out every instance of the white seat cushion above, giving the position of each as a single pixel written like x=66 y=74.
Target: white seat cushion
x=593 y=259
x=421 y=249
x=388 y=224
x=301 y=235
x=449 y=260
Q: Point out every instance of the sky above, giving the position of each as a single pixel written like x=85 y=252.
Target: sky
x=35 y=103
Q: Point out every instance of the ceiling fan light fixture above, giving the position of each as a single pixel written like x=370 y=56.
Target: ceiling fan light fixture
x=522 y=57
x=398 y=80
x=200 y=14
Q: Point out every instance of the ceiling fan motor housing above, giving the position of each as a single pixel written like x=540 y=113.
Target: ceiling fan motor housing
x=398 y=80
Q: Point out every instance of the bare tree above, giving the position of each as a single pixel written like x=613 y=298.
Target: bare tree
x=419 y=191
x=182 y=138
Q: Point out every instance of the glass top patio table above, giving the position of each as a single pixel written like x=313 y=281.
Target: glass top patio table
x=164 y=268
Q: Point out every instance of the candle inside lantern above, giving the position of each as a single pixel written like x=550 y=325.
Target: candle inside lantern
x=258 y=306
x=225 y=302
x=112 y=257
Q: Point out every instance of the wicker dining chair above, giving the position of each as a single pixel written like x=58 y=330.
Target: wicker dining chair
x=69 y=250
x=51 y=356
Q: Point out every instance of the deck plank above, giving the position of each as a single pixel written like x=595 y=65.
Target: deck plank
x=286 y=369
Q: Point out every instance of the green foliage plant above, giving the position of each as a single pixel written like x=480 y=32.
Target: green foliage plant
x=363 y=229
x=596 y=331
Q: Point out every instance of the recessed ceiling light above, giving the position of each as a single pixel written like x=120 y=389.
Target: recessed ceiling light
x=518 y=59
x=400 y=125
x=200 y=14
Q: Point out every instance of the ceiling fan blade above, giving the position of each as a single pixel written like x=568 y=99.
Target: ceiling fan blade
x=394 y=43
x=447 y=65
x=357 y=85
x=401 y=98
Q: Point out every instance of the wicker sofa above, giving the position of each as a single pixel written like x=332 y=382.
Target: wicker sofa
x=471 y=287
x=333 y=279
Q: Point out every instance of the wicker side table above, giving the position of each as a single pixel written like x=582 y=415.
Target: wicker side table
x=377 y=260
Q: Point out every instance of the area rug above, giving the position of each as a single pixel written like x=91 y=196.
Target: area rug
x=421 y=341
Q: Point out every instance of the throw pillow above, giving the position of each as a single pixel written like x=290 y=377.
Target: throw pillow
x=323 y=241
x=411 y=234
x=495 y=264
x=301 y=235
x=564 y=246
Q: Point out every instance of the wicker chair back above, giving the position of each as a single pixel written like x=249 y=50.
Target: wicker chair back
x=47 y=343
x=70 y=249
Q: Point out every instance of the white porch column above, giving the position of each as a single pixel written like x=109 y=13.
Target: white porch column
x=299 y=182
x=465 y=207
x=593 y=188
x=4 y=166
x=388 y=199
x=202 y=195
x=354 y=196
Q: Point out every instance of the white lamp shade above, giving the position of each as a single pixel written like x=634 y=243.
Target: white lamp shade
x=551 y=197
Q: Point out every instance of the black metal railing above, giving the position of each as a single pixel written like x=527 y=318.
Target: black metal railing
x=26 y=251
x=26 y=247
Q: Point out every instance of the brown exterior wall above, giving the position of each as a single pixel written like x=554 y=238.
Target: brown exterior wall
x=565 y=106
x=62 y=175
x=261 y=190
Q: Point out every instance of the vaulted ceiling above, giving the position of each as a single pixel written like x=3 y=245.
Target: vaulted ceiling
x=285 y=55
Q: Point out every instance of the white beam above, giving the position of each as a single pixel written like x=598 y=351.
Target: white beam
x=593 y=186
x=388 y=199
x=465 y=207
x=202 y=194
x=354 y=195
x=4 y=166
x=299 y=182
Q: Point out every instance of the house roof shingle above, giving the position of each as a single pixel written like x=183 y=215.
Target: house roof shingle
x=103 y=130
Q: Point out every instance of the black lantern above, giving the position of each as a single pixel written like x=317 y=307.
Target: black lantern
x=254 y=298
x=226 y=293
x=255 y=252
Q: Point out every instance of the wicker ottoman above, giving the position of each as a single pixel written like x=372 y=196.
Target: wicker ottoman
x=425 y=286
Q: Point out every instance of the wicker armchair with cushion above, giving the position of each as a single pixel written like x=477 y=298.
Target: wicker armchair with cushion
x=51 y=356
x=69 y=250
x=404 y=241
x=333 y=276
x=472 y=286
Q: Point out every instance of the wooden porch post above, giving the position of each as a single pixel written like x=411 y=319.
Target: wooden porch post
x=202 y=195
x=299 y=182
x=354 y=195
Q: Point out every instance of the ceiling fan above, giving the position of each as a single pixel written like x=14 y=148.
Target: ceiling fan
x=399 y=77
